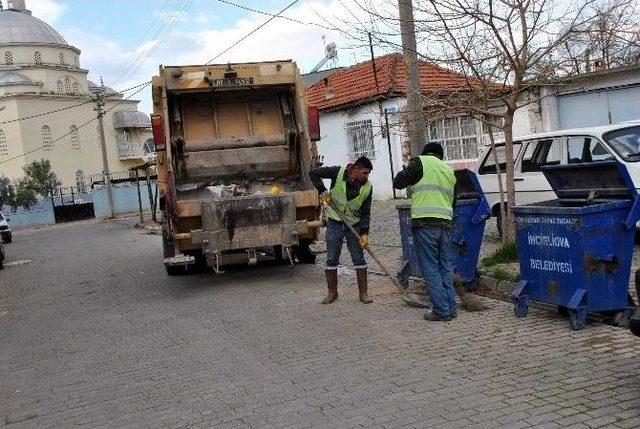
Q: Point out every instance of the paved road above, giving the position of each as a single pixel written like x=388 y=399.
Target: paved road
x=93 y=334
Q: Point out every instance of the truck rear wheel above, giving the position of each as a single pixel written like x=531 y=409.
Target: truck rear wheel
x=303 y=254
x=175 y=270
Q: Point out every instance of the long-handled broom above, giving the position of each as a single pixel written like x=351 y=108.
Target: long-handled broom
x=469 y=302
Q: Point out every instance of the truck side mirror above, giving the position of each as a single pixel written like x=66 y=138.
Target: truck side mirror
x=314 y=123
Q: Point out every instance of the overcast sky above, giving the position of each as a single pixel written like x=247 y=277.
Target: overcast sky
x=124 y=41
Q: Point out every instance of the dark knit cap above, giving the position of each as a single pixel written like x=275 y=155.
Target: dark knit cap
x=433 y=148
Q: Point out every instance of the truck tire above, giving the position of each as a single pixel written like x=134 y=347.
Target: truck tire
x=303 y=253
x=175 y=270
x=168 y=250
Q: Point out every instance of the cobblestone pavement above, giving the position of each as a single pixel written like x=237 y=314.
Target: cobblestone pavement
x=93 y=334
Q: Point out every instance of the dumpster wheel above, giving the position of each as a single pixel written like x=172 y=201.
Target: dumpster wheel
x=577 y=318
x=521 y=308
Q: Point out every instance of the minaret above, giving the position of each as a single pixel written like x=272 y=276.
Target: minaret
x=19 y=6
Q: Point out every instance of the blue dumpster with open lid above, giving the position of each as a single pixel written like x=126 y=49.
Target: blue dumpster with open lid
x=469 y=217
x=576 y=251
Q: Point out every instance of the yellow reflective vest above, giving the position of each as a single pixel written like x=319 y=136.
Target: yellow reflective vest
x=349 y=208
x=433 y=195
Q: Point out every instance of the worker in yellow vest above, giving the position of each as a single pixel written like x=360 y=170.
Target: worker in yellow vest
x=351 y=193
x=432 y=183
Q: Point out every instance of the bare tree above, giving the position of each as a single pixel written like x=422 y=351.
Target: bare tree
x=506 y=48
x=612 y=37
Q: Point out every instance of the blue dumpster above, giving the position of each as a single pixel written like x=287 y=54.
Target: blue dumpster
x=469 y=217
x=575 y=251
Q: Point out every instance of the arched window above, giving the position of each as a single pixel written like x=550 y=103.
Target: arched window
x=46 y=138
x=67 y=85
x=62 y=60
x=74 y=137
x=4 y=149
x=80 y=181
x=8 y=58
x=37 y=57
x=60 y=86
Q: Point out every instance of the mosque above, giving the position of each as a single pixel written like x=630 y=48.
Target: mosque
x=47 y=106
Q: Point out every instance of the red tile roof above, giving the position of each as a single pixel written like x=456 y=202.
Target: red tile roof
x=356 y=84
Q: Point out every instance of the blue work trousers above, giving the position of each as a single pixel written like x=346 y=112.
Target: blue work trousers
x=336 y=234
x=435 y=257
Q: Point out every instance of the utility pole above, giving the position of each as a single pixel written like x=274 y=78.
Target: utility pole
x=415 y=117
x=105 y=162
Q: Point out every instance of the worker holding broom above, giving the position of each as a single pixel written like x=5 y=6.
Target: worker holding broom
x=432 y=185
x=350 y=193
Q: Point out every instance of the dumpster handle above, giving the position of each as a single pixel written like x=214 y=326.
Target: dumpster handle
x=482 y=213
x=634 y=214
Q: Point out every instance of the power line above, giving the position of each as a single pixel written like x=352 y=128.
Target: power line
x=51 y=143
x=233 y=45
x=261 y=12
x=62 y=109
x=164 y=32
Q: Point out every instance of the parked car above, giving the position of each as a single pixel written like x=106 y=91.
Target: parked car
x=5 y=230
x=619 y=142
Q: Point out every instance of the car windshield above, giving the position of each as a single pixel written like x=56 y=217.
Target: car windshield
x=626 y=142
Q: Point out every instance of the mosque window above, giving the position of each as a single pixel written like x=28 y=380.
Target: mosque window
x=76 y=88
x=60 y=86
x=4 y=149
x=62 y=60
x=37 y=57
x=75 y=138
x=67 y=85
x=8 y=58
x=80 y=181
x=46 y=138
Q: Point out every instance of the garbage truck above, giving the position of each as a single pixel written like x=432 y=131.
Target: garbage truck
x=234 y=145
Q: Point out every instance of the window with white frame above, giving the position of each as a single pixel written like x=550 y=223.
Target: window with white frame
x=495 y=128
x=360 y=139
x=458 y=135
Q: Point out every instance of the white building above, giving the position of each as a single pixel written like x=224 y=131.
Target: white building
x=40 y=73
x=353 y=102
x=598 y=98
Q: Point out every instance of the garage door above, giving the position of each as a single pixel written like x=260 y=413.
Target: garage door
x=599 y=108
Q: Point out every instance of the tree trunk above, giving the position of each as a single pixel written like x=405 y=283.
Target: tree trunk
x=496 y=160
x=508 y=224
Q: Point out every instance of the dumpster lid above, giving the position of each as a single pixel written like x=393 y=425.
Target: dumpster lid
x=467 y=185
x=608 y=180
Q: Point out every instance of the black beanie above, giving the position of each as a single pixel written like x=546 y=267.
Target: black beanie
x=433 y=148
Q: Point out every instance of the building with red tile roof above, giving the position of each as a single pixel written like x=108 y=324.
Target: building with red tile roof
x=359 y=84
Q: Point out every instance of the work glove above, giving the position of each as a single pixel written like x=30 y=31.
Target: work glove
x=325 y=198
x=364 y=241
